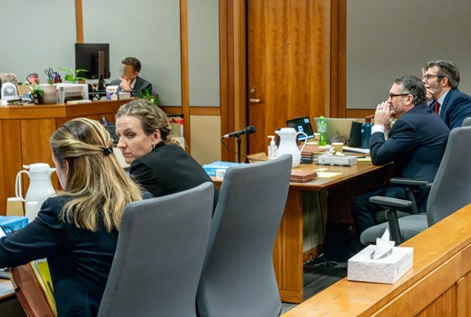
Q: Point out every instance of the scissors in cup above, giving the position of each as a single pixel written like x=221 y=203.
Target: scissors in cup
x=50 y=73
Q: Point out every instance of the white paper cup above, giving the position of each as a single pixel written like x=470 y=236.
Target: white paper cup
x=220 y=173
x=338 y=146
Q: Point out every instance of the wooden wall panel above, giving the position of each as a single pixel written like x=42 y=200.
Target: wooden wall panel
x=445 y=305
x=35 y=146
x=11 y=158
x=463 y=291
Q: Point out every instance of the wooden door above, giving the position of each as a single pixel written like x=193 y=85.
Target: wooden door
x=288 y=64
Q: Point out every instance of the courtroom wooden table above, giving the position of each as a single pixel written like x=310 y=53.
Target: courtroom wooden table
x=25 y=132
x=439 y=283
x=340 y=190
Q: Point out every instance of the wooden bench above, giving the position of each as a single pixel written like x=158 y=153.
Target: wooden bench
x=439 y=283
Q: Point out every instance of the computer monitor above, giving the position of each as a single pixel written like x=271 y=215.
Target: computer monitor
x=338 y=129
x=301 y=125
x=95 y=58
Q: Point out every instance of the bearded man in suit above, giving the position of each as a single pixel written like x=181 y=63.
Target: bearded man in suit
x=441 y=79
x=415 y=145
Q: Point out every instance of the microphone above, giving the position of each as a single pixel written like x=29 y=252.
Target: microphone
x=248 y=130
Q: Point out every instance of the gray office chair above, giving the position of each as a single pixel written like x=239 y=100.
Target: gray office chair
x=238 y=278
x=450 y=191
x=160 y=255
x=466 y=122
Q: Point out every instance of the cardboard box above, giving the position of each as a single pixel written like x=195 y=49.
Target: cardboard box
x=386 y=270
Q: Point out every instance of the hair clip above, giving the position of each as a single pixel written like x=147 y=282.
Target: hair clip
x=107 y=151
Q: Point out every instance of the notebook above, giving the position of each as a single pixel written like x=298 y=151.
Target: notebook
x=338 y=129
x=301 y=125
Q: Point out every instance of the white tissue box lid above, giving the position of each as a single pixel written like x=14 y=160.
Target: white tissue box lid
x=387 y=270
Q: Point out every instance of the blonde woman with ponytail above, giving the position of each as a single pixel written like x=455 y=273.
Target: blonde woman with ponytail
x=77 y=229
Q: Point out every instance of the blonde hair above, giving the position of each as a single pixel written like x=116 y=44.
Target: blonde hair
x=98 y=186
x=151 y=116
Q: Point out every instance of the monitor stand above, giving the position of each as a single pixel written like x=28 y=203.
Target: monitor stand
x=101 y=84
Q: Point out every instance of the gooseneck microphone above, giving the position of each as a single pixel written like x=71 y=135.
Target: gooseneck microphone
x=248 y=130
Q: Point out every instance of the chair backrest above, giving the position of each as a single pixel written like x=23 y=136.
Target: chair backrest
x=451 y=189
x=160 y=255
x=466 y=122
x=238 y=278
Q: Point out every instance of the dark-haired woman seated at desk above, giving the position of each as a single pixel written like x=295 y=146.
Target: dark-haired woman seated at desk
x=158 y=162
x=77 y=230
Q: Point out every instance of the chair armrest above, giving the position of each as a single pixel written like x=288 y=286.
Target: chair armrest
x=392 y=204
x=389 y=202
x=409 y=185
x=407 y=182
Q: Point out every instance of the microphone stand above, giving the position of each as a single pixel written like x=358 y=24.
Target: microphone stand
x=238 y=148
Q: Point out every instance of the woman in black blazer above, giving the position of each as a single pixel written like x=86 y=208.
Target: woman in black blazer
x=158 y=162
x=77 y=230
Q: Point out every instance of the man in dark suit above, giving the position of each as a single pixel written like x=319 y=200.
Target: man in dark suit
x=441 y=79
x=415 y=145
x=130 y=80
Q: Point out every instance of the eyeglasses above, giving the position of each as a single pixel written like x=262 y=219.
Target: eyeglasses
x=428 y=76
x=397 y=95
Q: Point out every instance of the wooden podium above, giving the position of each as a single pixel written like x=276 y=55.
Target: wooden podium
x=25 y=132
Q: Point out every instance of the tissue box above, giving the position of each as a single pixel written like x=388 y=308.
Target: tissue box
x=112 y=92
x=386 y=270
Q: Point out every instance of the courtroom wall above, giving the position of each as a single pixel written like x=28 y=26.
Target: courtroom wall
x=389 y=39
x=41 y=34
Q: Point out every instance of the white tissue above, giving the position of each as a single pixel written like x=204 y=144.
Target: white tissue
x=383 y=245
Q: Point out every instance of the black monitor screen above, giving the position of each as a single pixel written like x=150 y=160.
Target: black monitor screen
x=301 y=125
x=87 y=56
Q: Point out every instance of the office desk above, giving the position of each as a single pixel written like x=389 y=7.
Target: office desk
x=25 y=132
x=340 y=191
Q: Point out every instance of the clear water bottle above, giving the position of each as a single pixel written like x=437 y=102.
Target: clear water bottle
x=366 y=133
x=322 y=130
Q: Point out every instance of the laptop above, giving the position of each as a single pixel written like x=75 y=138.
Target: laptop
x=338 y=129
x=301 y=125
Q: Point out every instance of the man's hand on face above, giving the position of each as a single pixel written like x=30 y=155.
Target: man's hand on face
x=384 y=115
